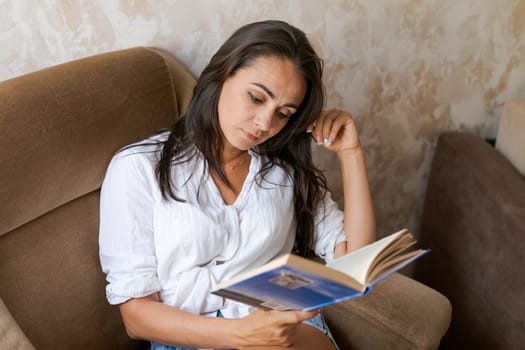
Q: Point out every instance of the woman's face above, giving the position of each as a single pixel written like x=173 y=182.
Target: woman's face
x=256 y=102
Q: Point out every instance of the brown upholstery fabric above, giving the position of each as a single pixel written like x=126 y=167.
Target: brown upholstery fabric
x=474 y=221
x=59 y=129
x=61 y=125
x=181 y=79
x=62 y=301
x=11 y=336
x=398 y=314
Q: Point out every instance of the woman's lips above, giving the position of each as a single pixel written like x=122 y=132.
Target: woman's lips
x=250 y=136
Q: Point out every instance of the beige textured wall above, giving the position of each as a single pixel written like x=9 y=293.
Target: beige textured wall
x=407 y=69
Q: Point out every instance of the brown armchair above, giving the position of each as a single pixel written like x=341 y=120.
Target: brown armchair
x=474 y=219
x=59 y=127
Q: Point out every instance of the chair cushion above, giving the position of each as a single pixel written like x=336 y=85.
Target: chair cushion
x=11 y=336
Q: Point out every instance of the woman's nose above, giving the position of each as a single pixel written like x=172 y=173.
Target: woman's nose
x=263 y=120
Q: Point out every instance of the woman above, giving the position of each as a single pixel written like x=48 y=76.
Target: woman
x=230 y=187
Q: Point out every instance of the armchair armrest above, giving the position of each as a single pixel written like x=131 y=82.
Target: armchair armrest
x=399 y=313
x=11 y=336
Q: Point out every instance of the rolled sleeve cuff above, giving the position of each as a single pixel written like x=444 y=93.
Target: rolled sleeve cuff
x=327 y=253
x=121 y=291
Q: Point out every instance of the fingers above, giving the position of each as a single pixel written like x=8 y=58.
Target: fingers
x=335 y=129
x=328 y=125
x=295 y=317
x=276 y=328
x=305 y=315
x=287 y=317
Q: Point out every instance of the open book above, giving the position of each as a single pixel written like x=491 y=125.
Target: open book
x=291 y=282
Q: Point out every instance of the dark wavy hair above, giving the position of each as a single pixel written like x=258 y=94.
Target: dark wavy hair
x=198 y=128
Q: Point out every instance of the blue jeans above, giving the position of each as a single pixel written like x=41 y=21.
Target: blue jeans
x=317 y=322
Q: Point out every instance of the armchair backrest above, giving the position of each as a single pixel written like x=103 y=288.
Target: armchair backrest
x=59 y=128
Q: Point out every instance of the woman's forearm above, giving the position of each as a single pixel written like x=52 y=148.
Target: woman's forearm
x=147 y=318
x=336 y=130
x=359 y=218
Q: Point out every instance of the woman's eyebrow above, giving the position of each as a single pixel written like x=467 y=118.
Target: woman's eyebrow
x=272 y=96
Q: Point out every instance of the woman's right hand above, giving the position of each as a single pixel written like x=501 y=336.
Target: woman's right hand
x=271 y=328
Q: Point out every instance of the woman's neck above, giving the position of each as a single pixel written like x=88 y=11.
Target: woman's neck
x=231 y=153
x=234 y=160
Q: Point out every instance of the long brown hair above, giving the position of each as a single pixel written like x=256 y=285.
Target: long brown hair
x=198 y=128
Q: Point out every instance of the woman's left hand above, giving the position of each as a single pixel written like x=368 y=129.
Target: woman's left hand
x=336 y=130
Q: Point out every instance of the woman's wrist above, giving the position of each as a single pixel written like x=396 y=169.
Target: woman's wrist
x=349 y=152
x=230 y=332
x=239 y=335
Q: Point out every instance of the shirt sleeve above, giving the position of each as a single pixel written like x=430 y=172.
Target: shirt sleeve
x=126 y=239
x=329 y=232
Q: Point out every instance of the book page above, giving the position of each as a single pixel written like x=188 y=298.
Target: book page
x=386 y=274
x=397 y=247
x=391 y=264
x=357 y=263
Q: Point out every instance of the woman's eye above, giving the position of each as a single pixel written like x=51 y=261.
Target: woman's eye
x=254 y=99
x=283 y=115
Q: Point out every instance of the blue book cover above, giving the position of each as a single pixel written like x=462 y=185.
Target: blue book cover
x=291 y=282
x=288 y=288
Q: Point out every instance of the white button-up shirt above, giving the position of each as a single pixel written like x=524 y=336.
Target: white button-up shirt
x=183 y=249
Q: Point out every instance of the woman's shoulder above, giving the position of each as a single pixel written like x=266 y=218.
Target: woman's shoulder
x=147 y=149
x=142 y=155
